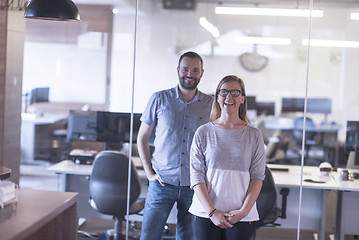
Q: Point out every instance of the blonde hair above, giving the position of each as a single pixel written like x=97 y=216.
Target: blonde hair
x=216 y=110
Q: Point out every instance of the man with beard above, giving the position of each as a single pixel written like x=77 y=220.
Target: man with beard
x=174 y=114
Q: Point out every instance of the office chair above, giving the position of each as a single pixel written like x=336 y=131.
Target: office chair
x=351 y=161
x=267 y=202
x=267 y=133
x=276 y=149
x=108 y=188
x=276 y=144
x=310 y=138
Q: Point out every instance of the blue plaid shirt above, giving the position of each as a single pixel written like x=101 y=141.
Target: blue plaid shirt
x=175 y=122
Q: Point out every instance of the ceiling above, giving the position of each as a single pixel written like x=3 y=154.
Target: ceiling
x=95 y=14
x=334 y=3
x=284 y=2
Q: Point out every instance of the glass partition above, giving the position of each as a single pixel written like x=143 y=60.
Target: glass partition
x=285 y=68
x=271 y=71
x=285 y=79
x=332 y=75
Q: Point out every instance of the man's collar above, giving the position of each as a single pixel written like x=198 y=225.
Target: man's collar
x=196 y=96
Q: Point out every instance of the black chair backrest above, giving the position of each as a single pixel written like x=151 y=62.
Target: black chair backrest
x=298 y=129
x=108 y=183
x=267 y=201
x=273 y=150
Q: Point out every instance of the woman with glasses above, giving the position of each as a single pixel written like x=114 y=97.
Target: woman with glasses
x=227 y=164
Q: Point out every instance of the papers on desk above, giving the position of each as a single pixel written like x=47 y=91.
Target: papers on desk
x=80 y=156
x=8 y=193
x=81 y=152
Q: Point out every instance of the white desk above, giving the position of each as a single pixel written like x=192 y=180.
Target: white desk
x=75 y=178
x=347 y=211
x=69 y=167
x=314 y=197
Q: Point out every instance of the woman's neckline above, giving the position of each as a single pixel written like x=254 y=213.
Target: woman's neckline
x=219 y=127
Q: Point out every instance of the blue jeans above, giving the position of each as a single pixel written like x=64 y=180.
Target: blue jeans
x=159 y=202
x=204 y=229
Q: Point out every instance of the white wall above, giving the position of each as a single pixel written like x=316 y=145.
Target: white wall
x=164 y=34
x=161 y=31
x=74 y=72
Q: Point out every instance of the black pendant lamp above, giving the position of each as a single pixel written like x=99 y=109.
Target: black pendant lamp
x=58 y=10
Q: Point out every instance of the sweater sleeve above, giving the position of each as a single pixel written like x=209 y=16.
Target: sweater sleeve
x=257 y=170
x=197 y=161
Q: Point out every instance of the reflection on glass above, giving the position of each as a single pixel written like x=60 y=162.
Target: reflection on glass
x=76 y=67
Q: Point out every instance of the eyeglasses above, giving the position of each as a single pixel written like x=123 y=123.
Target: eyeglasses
x=234 y=92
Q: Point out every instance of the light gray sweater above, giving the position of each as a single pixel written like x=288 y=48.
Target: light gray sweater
x=226 y=160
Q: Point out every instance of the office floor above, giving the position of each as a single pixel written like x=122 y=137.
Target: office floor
x=37 y=177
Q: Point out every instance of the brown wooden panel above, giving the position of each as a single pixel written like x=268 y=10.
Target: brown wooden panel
x=41 y=215
x=3 y=34
x=14 y=30
x=62 y=227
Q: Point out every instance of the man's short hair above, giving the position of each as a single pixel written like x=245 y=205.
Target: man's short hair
x=190 y=54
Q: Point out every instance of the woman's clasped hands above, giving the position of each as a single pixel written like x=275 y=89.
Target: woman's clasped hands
x=226 y=219
x=220 y=219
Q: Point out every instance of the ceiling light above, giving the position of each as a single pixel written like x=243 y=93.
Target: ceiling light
x=179 y=4
x=263 y=40
x=269 y=12
x=60 y=10
x=330 y=43
x=354 y=16
x=209 y=27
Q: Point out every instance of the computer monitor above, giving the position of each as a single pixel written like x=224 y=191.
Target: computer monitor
x=112 y=128
x=115 y=126
x=251 y=102
x=314 y=105
x=266 y=108
x=39 y=95
x=319 y=105
x=352 y=139
x=292 y=105
x=81 y=126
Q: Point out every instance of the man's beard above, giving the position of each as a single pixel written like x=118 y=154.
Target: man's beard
x=189 y=86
